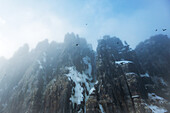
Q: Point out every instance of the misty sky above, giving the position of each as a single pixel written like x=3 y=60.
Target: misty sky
x=30 y=21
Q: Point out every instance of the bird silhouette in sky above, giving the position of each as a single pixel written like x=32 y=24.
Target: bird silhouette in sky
x=163 y=29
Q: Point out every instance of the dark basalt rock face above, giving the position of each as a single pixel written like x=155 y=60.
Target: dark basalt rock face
x=70 y=78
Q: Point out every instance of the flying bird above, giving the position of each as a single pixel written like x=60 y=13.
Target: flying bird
x=77 y=44
x=156 y=30
x=86 y=24
x=163 y=29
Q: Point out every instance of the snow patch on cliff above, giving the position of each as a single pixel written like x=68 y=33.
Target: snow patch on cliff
x=101 y=108
x=156 y=109
x=91 y=90
x=79 y=79
x=144 y=75
x=123 y=62
x=156 y=98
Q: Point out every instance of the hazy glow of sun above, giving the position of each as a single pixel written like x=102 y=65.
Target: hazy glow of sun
x=6 y=49
x=31 y=32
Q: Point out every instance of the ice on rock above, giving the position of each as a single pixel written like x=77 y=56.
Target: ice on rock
x=123 y=62
x=78 y=95
x=144 y=75
x=135 y=96
x=91 y=90
x=163 y=82
x=155 y=97
x=101 y=108
x=79 y=79
x=156 y=109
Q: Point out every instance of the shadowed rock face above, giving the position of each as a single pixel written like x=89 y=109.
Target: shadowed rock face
x=65 y=78
x=118 y=79
x=154 y=56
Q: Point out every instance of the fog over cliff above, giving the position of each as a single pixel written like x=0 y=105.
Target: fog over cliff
x=71 y=77
x=84 y=56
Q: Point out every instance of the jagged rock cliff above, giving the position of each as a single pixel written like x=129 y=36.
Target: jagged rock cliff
x=154 y=57
x=66 y=78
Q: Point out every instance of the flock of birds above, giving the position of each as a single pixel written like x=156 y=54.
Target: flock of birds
x=162 y=29
x=118 y=42
x=78 y=44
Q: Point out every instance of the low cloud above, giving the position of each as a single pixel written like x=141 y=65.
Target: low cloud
x=30 y=22
x=2 y=21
